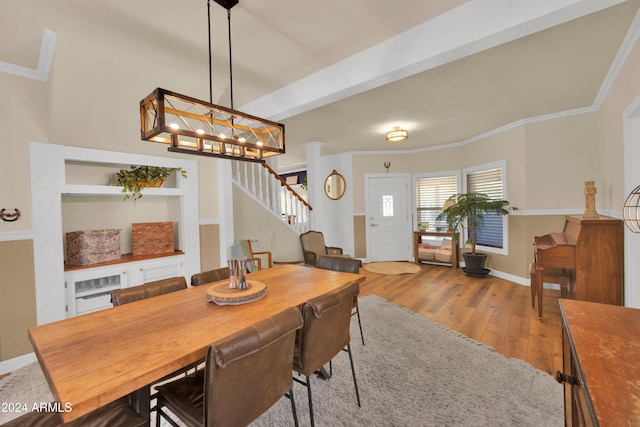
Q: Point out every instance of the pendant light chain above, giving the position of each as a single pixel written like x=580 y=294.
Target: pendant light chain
x=191 y=126
x=230 y=64
x=209 y=34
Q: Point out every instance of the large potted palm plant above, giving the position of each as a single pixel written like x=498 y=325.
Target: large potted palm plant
x=468 y=211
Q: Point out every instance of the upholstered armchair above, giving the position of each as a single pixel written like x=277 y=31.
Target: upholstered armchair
x=313 y=246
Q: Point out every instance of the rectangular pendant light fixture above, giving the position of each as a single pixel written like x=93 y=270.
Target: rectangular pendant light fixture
x=192 y=126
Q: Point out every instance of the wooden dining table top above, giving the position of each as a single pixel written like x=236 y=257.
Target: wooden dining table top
x=93 y=359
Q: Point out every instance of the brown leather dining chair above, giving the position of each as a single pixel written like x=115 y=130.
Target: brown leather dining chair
x=147 y=290
x=210 y=276
x=150 y=290
x=347 y=265
x=127 y=295
x=165 y=286
x=115 y=414
x=325 y=334
x=245 y=374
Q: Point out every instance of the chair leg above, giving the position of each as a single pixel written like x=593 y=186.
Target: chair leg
x=310 y=401
x=161 y=414
x=289 y=394
x=360 y=325
x=540 y=289
x=308 y=385
x=533 y=284
x=353 y=371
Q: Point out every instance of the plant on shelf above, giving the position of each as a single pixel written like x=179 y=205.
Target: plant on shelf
x=136 y=178
x=468 y=211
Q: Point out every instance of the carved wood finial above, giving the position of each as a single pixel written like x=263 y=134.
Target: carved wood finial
x=590 y=200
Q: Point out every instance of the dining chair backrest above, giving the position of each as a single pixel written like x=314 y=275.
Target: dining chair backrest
x=127 y=295
x=210 y=276
x=326 y=328
x=347 y=265
x=247 y=372
x=147 y=290
x=165 y=286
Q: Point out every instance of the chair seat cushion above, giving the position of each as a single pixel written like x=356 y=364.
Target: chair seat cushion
x=187 y=392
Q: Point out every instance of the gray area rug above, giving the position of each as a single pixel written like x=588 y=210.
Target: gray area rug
x=410 y=373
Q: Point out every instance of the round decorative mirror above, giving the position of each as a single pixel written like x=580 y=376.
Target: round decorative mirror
x=334 y=186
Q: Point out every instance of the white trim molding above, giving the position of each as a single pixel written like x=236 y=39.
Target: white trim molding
x=47 y=49
x=11 y=365
x=12 y=236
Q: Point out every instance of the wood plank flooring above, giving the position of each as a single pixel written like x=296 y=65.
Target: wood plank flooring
x=493 y=311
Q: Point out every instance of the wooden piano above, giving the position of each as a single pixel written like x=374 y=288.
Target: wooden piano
x=588 y=254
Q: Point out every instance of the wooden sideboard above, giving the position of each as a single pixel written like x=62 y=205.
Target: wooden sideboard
x=601 y=348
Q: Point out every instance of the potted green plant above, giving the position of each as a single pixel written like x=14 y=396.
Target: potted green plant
x=136 y=178
x=468 y=211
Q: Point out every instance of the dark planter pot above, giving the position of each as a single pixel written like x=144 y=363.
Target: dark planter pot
x=474 y=264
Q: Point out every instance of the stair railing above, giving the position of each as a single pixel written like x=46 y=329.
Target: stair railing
x=265 y=186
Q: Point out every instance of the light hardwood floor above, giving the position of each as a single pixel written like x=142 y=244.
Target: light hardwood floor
x=493 y=311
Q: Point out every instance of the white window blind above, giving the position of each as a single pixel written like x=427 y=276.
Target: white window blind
x=488 y=182
x=431 y=193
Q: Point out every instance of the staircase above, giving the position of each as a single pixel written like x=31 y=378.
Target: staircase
x=266 y=187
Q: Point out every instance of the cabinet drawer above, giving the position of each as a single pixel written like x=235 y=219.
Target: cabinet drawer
x=93 y=302
x=151 y=274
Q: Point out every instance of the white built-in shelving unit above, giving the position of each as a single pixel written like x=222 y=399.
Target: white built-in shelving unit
x=76 y=176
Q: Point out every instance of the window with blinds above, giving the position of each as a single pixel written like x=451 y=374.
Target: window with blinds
x=431 y=193
x=488 y=182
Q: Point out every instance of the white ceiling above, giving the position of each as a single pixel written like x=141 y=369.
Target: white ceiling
x=343 y=72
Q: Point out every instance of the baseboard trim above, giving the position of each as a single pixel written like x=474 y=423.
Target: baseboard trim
x=10 y=365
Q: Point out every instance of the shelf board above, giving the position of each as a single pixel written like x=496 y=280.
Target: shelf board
x=124 y=258
x=112 y=190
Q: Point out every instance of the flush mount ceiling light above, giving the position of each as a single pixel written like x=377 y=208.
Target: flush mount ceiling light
x=192 y=126
x=397 y=134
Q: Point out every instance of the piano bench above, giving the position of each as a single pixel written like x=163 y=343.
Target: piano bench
x=550 y=275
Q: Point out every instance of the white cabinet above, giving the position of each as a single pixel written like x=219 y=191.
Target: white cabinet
x=158 y=269
x=89 y=289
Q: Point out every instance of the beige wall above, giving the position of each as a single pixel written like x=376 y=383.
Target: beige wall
x=360 y=236
x=610 y=148
x=209 y=247
x=17 y=302
x=560 y=156
x=252 y=221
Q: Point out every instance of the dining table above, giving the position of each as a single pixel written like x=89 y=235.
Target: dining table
x=93 y=359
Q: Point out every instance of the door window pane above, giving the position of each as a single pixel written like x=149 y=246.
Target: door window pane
x=387 y=205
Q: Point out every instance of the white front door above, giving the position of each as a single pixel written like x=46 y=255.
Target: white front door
x=388 y=218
